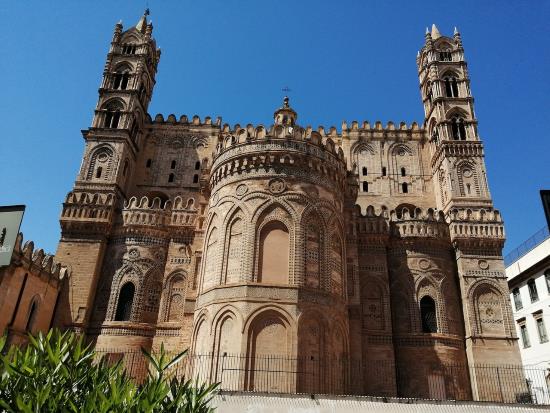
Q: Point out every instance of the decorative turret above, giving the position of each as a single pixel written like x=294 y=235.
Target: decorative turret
x=285 y=115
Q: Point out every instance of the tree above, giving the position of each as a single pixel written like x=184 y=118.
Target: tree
x=58 y=372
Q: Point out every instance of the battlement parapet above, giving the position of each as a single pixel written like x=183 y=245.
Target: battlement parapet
x=86 y=206
x=457 y=149
x=419 y=223
x=481 y=223
x=377 y=130
x=277 y=133
x=144 y=212
x=184 y=120
x=36 y=260
x=156 y=213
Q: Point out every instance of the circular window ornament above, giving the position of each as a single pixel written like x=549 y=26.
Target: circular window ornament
x=467 y=173
x=133 y=254
x=241 y=189
x=483 y=264
x=424 y=264
x=276 y=186
x=102 y=157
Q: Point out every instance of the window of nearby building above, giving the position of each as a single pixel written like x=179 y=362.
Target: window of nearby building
x=365 y=172
x=173 y=165
x=365 y=187
x=541 y=329
x=517 y=299
x=383 y=171
x=547 y=278
x=171 y=178
x=524 y=336
x=197 y=165
x=533 y=294
x=148 y=163
x=405 y=188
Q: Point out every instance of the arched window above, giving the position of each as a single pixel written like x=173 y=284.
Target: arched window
x=274 y=253
x=451 y=87
x=446 y=56
x=428 y=315
x=122 y=76
x=429 y=91
x=173 y=165
x=112 y=115
x=171 y=178
x=148 y=163
x=128 y=49
x=195 y=179
x=365 y=187
x=197 y=165
x=125 y=301
x=403 y=172
x=405 y=188
x=458 y=129
x=32 y=316
x=365 y=172
x=384 y=173
x=98 y=172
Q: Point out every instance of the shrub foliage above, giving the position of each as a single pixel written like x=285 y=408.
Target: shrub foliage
x=58 y=372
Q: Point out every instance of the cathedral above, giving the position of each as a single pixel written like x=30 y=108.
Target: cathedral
x=376 y=244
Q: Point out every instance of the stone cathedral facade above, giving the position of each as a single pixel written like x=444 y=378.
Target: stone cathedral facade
x=371 y=243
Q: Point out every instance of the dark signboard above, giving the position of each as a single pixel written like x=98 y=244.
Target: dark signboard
x=10 y=221
x=545 y=196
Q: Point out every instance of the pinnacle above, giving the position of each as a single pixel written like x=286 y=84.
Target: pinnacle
x=435 y=32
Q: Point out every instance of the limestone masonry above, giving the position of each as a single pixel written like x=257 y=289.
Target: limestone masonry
x=375 y=244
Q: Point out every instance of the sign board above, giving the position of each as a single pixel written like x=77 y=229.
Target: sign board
x=545 y=196
x=10 y=221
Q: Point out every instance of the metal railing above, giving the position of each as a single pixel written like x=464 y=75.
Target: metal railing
x=347 y=376
x=526 y=246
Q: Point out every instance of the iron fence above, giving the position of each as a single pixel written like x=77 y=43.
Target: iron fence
x=348 y=376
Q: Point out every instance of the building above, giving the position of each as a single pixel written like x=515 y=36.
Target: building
x=29 y=290
x=375 y=244
x=528 y=272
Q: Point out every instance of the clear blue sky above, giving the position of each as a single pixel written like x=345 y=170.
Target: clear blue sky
x=343 y=60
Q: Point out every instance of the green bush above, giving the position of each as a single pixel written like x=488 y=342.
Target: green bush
x=58 y=372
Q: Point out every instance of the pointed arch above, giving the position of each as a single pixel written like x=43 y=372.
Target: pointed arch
x=314 y=239
x=487 y=301
x=32 y=314
x=235 y=234
x=125 y=302
x=174 y=294
x=101 y=162
x=468 y=179
x=210 y=275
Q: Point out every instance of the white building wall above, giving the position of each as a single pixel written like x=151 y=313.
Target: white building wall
x=536 y=356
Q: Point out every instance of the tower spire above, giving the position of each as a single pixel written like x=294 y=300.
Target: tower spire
x=142 y=23
x=435 y=32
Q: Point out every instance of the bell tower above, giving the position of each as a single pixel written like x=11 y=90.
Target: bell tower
x=459 y=176
x=458 y=166
x=111 y=147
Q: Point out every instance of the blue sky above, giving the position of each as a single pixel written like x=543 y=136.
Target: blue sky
x=344 y=60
